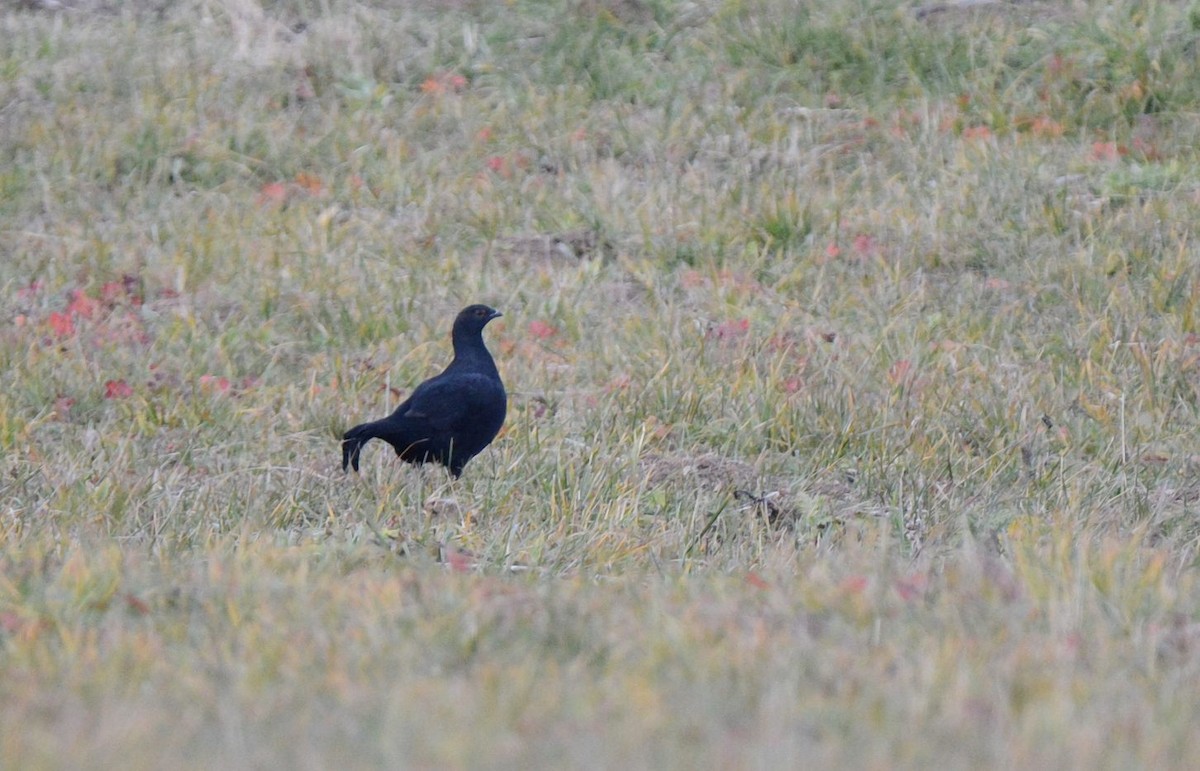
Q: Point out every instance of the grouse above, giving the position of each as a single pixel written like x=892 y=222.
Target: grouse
x=450 y=418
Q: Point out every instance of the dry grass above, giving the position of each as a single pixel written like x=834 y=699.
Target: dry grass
x=853 y=360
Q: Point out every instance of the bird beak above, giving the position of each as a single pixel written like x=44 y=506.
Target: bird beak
x=495 y=315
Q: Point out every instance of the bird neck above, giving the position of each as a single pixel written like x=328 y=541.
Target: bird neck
x=469 y=351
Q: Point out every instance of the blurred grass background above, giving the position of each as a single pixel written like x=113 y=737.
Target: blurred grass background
x=852 y=354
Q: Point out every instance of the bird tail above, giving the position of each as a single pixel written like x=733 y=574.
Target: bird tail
x=353 y=441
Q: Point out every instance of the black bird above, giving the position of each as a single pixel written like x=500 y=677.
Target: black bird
x=450 y=418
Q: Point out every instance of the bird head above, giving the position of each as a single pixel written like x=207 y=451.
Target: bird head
x=472 y=319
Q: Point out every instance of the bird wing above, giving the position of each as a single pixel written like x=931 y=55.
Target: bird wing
x=447 y=402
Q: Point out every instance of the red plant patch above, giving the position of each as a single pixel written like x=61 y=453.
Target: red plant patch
x=215 y=384
x=854 y=584
x=442 y=82
x=272 y=193
x=865 y=244
x=62 y=406
x=29 y=292
x=912 y=587
x=1146 y=150
x=117 y=389
x=541 y=330
x=458 y=561
x=310 y=183
x=82 y=305
x=1108 y=151
x=1047 y=128
x=499 y=164
x=899 y=371
x=10 y=622
x=755 y=580
x=729 y=330
x=61 y=324
x=619 y=383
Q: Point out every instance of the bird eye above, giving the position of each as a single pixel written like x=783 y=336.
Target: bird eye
x=479 y=311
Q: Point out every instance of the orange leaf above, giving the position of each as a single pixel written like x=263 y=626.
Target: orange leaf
x=977 y=132
x=1107 y=151
x=310 y=182
x=756 y=581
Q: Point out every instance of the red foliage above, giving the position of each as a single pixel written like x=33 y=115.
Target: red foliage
x=27 y=293
x=912 y=587
x=82 y=305
x=899 y=371
x=498 y=164
x=215 y=384
x=729 y=330
x=61 y=324
x=854 y=584
x=136 y=604
x=310 y=183
x=117 y=389
x=272 y=193
x=1042 y=126
x=62 y=406
x=458 y=562
x=793 y=384
x=756 y=581
x=1108 y=151
x=442 y=82
x=865 y=244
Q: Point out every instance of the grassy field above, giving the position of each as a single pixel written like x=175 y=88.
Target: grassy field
x=853 y=363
